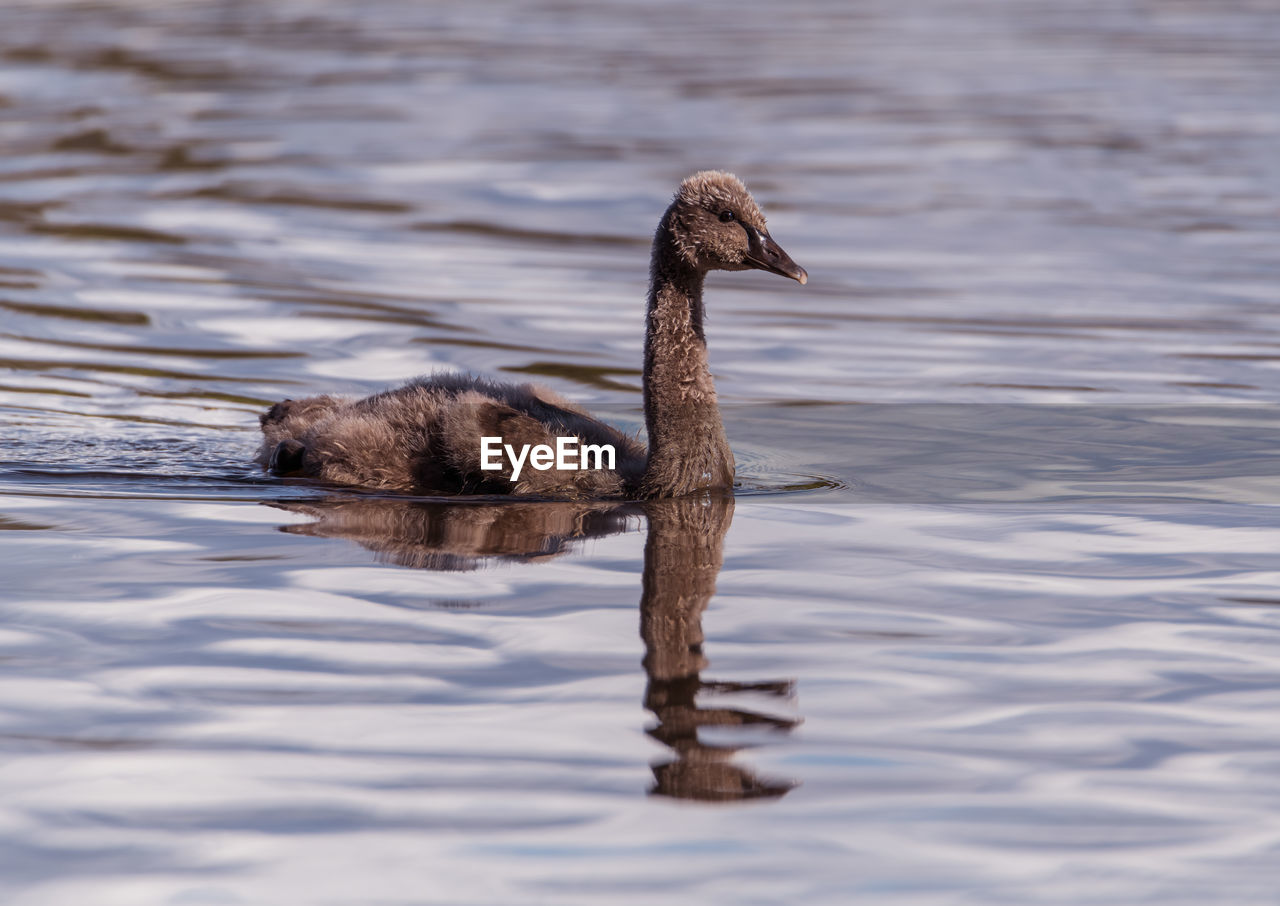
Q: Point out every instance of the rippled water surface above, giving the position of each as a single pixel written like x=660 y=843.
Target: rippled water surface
x=994 y=616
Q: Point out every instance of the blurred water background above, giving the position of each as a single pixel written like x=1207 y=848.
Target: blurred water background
x=994 y=618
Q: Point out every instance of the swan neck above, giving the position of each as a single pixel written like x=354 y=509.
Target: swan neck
x=688 y=450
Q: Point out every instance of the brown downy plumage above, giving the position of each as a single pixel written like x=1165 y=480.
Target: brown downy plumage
x=425 y=436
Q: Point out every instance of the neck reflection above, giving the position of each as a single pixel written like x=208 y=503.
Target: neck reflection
x=682 y=558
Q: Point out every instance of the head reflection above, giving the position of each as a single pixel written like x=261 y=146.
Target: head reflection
x=682 y=559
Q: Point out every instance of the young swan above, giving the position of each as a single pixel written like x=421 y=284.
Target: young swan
x=426 y=436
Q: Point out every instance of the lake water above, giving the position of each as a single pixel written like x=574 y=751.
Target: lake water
x=994 y=616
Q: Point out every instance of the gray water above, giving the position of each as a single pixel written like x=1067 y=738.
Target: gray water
x=993 y=617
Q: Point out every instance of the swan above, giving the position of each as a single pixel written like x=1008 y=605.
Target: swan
x=428 y=436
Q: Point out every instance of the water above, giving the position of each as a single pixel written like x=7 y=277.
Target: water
x=992 y=617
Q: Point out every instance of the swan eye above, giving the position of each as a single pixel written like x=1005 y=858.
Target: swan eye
x=726 y=216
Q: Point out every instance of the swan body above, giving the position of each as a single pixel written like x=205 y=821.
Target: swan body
x=426 y=436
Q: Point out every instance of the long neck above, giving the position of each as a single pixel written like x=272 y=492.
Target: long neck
x=687 y=445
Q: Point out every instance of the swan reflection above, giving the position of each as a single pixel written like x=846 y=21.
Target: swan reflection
x=682 y=558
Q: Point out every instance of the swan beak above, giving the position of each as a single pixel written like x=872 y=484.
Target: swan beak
x=767 y=255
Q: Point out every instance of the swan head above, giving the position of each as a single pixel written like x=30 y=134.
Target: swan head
x=717 y=225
